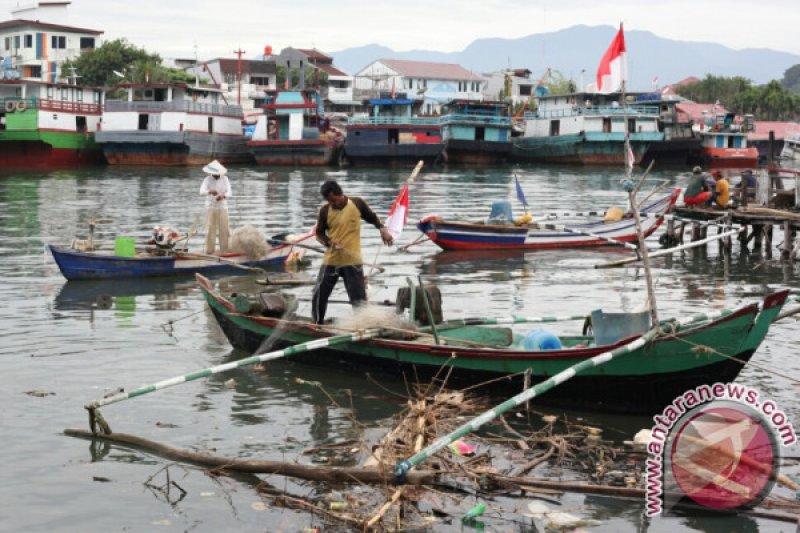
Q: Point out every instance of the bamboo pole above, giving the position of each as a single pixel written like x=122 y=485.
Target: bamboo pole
x=659 y=253
x=298 y=348
x=403 y=467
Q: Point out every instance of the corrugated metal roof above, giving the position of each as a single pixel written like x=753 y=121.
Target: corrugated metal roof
x=693 y=111
x=330 y=70
x=252 y=66
x=8 y=24
x=424 y=69
x=316 y=55
x=781 y=129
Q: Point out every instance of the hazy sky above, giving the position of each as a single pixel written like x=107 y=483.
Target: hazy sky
x=172 y=28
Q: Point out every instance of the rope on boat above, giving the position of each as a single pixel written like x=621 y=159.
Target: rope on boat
x=94 y=414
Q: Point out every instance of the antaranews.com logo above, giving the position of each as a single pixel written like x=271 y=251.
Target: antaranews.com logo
x=717 y=446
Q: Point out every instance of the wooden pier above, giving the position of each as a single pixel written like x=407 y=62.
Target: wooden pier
x=774 y=202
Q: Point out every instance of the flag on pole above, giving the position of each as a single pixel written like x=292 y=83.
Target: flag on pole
x=629 y=157
x=520 y=194
x=392 y=88
x=611 y=73
x=398 y=214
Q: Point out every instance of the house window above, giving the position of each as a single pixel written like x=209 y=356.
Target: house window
x=79 y=95
x=87 y=42
x=58 y=42
x=8 y=43
x=96 y=97
x=16 y=41
x=28 y=40
x=50 y=92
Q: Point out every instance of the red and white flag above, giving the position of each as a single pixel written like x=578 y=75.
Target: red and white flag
x=612 y=71
x=398 y=214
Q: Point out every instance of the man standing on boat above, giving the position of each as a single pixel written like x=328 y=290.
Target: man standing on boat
x=216 y=188
x=339 y=230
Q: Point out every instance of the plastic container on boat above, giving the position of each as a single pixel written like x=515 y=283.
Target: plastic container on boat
x=540 y=339
x=611 y=327
x=124 y=247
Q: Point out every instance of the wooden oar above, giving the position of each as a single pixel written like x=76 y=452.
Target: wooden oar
x=298 y=348
x=217 y=259
x=670 y=250
x=402 y=468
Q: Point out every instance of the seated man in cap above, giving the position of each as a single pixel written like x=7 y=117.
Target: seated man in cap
x=697 y=192
x=216 y=188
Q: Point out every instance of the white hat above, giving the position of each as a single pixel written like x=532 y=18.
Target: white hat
x=215 y=168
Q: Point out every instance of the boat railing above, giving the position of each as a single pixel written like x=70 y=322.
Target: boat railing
x=479 y=120
x=45 y=104
x=638 y=111
x=183 y=106
x=394 y=121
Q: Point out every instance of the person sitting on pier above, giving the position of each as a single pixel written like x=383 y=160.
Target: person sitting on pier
x=722 y=193
x=748 y=180
x=697 y=192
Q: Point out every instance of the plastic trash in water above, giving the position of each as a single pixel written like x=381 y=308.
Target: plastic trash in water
x=459 y=447
x=474 y=512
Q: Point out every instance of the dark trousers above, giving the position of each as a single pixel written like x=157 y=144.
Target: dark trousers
x=353 y=276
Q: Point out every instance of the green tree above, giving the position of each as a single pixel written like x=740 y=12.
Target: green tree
x=294 y=76
x=102 y=66
x=791 y=79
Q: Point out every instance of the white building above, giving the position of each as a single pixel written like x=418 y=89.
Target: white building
x=338 y=95
x=435 y=83
x=35 y=43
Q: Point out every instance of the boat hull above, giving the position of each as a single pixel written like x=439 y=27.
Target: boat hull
x=75 y=265
x=644 y=381
x=393 y=145
x=461 y=151
x=731 y=157
x=46 y=150
x=178 y=148
x=306 y=152
x=585 y=149
x=450 y=235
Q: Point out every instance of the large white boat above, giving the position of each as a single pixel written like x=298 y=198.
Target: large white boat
x=586 y=128
x=172 y=124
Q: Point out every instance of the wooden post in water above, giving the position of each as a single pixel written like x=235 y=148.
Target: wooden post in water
x=786 y=253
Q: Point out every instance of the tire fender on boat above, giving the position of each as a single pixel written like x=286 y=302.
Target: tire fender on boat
x=10 y=106
x=22 y=105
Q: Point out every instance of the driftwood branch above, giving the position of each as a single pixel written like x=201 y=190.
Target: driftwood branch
x=308 y=472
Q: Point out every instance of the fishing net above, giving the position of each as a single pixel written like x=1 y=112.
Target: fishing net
x=374 y=316
x=249 y=241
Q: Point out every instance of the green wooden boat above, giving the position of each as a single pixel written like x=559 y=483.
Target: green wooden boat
x=701 y=350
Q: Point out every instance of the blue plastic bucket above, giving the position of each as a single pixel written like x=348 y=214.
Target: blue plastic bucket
x=539 y=339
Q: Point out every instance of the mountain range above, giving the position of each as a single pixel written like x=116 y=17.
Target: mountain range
x=575 y=52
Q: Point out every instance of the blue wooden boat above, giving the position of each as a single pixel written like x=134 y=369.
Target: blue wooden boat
x=392 y=135
x=493 y=235
x=103 y=264
x=476 y=132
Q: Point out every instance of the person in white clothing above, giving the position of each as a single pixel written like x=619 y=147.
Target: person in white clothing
x=216 y=188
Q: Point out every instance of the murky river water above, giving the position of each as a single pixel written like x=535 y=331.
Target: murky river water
x=65 y=343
